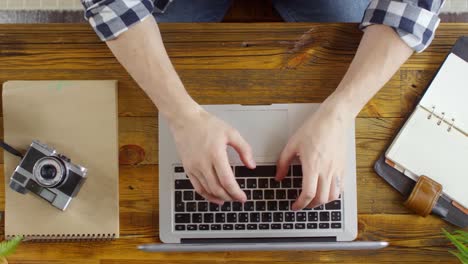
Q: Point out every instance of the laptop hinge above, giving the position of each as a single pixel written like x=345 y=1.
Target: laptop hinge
x=257 y=240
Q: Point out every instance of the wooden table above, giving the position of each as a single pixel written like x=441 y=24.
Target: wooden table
x=232 y=64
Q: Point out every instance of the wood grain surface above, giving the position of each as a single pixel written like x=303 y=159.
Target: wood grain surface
x=235 y=63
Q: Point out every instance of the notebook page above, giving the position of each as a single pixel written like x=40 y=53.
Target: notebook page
x=448 y=92
x=79 y=119
x=424 y=148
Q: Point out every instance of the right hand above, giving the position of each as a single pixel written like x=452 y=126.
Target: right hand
x=202 y=141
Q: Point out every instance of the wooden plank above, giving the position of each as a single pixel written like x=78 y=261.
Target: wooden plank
x=412 y=239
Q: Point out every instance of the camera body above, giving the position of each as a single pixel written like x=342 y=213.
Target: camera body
x=49 y=175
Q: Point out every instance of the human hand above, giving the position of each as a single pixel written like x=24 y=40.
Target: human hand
x=201 y=141
x=321 y=144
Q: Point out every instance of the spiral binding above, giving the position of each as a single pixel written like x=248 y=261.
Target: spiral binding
x=441 y=119
x=66 y=238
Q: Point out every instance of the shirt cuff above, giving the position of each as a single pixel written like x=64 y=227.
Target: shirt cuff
x=110 y=18
x=415 y=25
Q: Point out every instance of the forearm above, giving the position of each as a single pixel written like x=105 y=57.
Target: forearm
x=141 y=51
x=380 y=54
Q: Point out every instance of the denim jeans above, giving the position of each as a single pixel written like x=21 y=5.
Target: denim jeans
x=290 y=10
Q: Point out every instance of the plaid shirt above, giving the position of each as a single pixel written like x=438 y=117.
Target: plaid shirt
x=415 y=21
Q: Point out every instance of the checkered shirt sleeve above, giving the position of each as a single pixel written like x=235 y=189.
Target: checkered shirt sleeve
x=110 y=18
x=415 y=21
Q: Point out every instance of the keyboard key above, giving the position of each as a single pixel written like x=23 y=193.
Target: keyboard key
x=232 y=218
x=286 y=183
x=241 y=183
x=266 y=217
x=272 y=205
x=220 y=217
x=178 y=196
x=198 y=197
x=274 y=183
x=203 y=227
x=182 y=218
x=263 y=226
x=202 y=206
x=269 y=194
x=289 y=217
x=297 y=182
x=236 y=206
x=257 y=195
x=336 y=216
x=180 y=207
x=263 y=183
x=208 y=218
x=248 y=193
x=299 y=226
x=312 y=216
x=260 y=205
x=178 y=169
x=287 y=226
x=188 y=195
x=180 y=227
x=297 y=170
x=183 y=184
x=278 y=217
x=215 y=227
x=191 y=207
x=311 y=225
x=336 y=225
x=239 y=227
x=228 y=227
x=280 y=194
x=197 y=218
x=284 y=205
x=324 y=225
x=252 y=227
x=254 y=217
x=243 y=217
x=191 y=227
x=249 y=206
x=333 y=205
x=259 y=171
x=275 y=226
x=292 y=194
x=301 y=217
x=324 y=216
x=318 y=208
x=214 y=207
x=226 y=207
x=252 y=183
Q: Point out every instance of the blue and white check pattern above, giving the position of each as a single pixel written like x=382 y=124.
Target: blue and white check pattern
x=415 y=21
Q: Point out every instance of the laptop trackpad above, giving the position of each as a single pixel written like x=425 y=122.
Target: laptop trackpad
x=265 y=130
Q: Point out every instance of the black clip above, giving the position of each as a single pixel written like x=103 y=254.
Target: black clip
x=160 y=6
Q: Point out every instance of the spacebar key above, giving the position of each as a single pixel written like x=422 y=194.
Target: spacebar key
x=259 y=171
x=183 y=184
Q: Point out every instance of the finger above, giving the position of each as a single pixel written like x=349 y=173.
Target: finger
x=309 y=185
x=284 y=162
x=202 y=191
x=236 y=141
x=334 y=188
x=215 y=186
x=323 y=192
x=226 y=178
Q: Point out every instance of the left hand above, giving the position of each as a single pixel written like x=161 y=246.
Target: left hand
x=321 y=144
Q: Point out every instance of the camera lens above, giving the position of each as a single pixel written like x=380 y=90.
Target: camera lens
x=48 y=172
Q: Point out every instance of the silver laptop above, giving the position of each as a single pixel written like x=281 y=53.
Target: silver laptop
x=265 y=222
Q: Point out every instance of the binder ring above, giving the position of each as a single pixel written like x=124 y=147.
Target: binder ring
x=432 y=113
x=451 y=125
x=441 y=118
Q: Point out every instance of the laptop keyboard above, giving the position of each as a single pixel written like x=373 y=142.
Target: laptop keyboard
x=267 y=207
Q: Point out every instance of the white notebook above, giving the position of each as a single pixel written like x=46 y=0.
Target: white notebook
x=434 y=139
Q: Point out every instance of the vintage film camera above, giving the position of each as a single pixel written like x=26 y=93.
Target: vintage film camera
x=49 y=175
